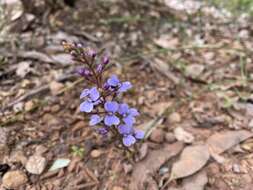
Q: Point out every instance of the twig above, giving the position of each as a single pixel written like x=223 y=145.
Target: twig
x=29 y=55
x=86 y=35
x=194 y=47
x=84 y=186
x=91 y=175
x=27 y=95
x=37 y=91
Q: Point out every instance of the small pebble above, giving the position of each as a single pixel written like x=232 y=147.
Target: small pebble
x=127 y=168
x=55 y=108
x=14 y=179
x=213 y=169
x=29 y=105
x=96 y=153
x=55 y=87
x=40 y=149
x=170 y=138
x=157 y=136
x=236 y=168
x=36 y=164
x=182 y=135
x=163 y=170
x=175 y=117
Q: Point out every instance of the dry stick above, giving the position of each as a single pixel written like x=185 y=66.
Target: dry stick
x=208 y=46
x=37 y=91
x=91 y=175
x=29 y=55
x=86 y=35
x=83 y=186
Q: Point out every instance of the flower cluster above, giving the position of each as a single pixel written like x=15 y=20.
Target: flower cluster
x=101 y=101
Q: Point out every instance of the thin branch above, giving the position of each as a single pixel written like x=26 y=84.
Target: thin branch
x=41 y=89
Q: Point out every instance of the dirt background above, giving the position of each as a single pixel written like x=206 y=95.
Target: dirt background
x=191 y=66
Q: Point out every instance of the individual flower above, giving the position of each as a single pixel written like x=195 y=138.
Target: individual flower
x=91 y=97
x=110 y=117
x=95 y=119
x=139 y=134
x=128 y=114
x=128 y=140
x=125 y=129
x=115 y=83
x=130 y=135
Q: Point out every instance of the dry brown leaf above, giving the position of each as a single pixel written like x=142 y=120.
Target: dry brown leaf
x=55 y=87
x=152 y=163
x=167 y=41
x=195 y=182
x=192 y=159
x=194 y=70
x=14 y=8
x=248 y=145
x=220 y=142
x=159 y=107
x=36 y=55
x=63 y=59
x=164 y=69
x=182 y=135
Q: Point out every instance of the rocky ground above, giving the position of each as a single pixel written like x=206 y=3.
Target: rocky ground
x=191 y=67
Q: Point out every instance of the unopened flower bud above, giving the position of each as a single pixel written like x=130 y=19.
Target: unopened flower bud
x=92 y=53
x=105 y=60
x=83 y=72
x=99 y=68
x=102 y=131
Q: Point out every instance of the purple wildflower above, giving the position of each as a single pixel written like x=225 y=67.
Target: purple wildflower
x=109 y=115
x=128 y=114
x=139 y=134
x=99 y=68
x=130 y=135
x=105 y=60
x=111 y=118
x=128 y=140
x=115 y=83
x=125 y=129
x=91 y=98
x=95 y=119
